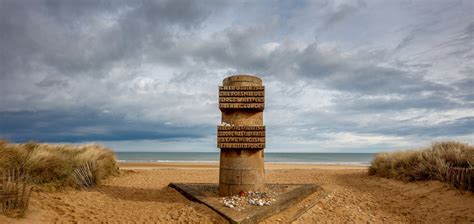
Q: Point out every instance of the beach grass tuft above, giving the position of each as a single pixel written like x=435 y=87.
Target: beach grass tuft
x=15 y=192
x=439 y=161
x=55 y=164
x=85 y=174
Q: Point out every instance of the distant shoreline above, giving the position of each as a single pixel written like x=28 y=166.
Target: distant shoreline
x=215 y=165
x=358 y=159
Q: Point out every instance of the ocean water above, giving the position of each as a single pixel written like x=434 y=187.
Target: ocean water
x=302 y=158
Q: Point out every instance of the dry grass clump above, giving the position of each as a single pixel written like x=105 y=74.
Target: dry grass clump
x=84 y=175
x=431 y=163
x=15 y=193
x=55 y=165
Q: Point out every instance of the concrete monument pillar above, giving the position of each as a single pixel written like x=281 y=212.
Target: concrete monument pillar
x=241 y=135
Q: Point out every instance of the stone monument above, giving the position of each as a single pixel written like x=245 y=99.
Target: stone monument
x=241 y=135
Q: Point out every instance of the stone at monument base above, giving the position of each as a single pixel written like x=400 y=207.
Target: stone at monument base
x=241 y=170
x=287 y=195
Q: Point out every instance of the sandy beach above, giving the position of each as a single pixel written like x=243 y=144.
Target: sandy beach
x=140 y=195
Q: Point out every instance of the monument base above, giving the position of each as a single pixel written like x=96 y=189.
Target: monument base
x=287 y=195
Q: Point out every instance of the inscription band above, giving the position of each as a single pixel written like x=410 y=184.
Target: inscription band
x=241 y=140
x=241 y=88
x=240 y=128
x=241 y=99
x=241 y=145
x=242 y=93
x=241 y=133
x=242 y=105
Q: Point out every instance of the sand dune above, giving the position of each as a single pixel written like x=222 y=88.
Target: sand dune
x=142 y=196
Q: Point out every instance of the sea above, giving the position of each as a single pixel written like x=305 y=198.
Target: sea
x=291 y=158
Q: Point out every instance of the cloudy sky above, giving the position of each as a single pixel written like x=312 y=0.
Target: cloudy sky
x=340 y=76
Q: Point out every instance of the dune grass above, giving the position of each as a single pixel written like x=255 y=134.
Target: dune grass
x=430 y=163
x=15 y=192
x=57 y=165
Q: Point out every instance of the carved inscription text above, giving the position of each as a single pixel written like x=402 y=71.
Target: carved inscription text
x=252 y=137
x=241 y=145
x=240 y=128
x=242 y=97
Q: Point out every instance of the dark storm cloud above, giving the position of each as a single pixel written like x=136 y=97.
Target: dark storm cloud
x=402 y=128
x=450 y=128
x=465 y=91
x=350 y=74
x=430 y=101
x=342 y=12
x=71 y=37
x=327 y=67
x=335 y=71
x=83 y=124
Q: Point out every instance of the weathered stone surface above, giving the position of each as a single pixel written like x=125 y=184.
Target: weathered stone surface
x=242 y=177
x=242 y=153
x=255 y=176
x=230 y=176
x=241 y=163
x=243 y=117
x=242 y=80
x=242 y=139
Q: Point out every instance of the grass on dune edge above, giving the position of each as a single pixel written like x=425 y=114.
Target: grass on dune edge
x=435 y=162
x=58 y=165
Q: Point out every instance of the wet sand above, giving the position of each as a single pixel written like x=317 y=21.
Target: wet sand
x=140 y=195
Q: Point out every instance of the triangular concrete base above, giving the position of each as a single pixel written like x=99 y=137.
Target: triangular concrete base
x=206 y=193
